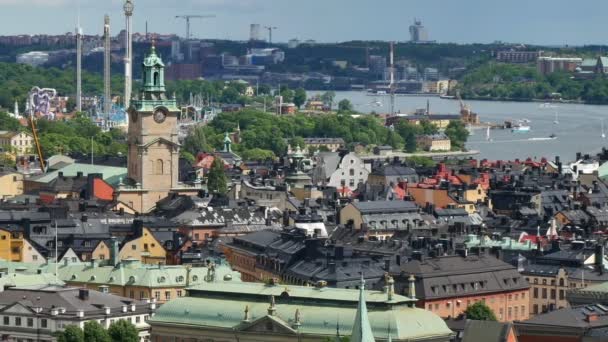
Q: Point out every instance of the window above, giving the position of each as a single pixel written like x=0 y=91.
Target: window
x=167 y=295
x=544 y=281
x=430 y=308
x=509 y=312
x=145 y=247
x=561 y=294
x=18 y=321
x=536 y=292
x=196 y=237
x=535 y=309
x=523 y=295
x=500 y=313
x=535 y=281
x=351 y=172
x=137 y=319
x=351 y=182
x=544 y=293
x=523 y=311
x=157 y=295
x=552 y=293
x=561 y=282
x=142 y=295
x=179 y=293
x=133 y=247
x=43 y=323
x=436 y=306
x=516 y=311
x=34 y=257
x=6 y=320
x=30 y=322
x=159 y=167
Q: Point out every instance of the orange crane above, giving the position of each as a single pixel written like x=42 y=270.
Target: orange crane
x=37 y=142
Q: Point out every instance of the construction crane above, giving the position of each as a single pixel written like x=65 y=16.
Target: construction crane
x=270 y=29
x=188 y=17
x=37 y=142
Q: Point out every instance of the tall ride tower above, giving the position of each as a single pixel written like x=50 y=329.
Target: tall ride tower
x=128 y=8
x=107 y=95
x=79 y=67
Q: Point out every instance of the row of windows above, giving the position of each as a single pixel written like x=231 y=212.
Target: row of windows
x=544 y=281
x=544 y=293
x=19 y=321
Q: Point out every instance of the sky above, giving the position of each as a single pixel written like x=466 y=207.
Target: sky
x=544 y=22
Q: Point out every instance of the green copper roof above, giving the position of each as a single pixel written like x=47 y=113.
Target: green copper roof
x=316 y=319
x=153 y=59
x=132 y=273
x=110 y=174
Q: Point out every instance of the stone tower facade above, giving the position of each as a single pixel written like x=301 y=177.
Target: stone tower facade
x=153 y=157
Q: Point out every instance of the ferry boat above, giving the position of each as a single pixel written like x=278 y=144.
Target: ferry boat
x=520 y=127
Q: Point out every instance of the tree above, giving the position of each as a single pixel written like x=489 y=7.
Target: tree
x=72 y=333
x=216 y=180
x=328 y=97
x=123 y=331
x=257 y=154
x=94 y=332
x=299 y=97
x=345 y=106
x=480 y=312
x=457 y=133
x=196 y=141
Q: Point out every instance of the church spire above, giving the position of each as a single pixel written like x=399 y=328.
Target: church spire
x=362 y=330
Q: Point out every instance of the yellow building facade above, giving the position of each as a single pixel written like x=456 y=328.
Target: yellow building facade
x=145 y=248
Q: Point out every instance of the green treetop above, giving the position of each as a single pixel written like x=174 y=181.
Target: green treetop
x=480 y=312
x=123 y=331
x=94 y=332
x=216 y=180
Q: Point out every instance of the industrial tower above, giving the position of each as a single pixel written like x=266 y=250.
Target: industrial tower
x=128 y=8
x=78 y=66
x=107 y=95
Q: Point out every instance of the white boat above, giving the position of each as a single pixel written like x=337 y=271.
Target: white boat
x=488 y=138
x=520 y=128
x=556 y=121
x=603 y=133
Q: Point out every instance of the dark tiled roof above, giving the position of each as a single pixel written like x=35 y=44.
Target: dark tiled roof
x=575 y=317
x=372 y=207
x=394 y=170
x=487 y=331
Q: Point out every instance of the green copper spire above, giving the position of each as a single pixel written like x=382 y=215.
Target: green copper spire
x=154 y=72
x=227 y=143
x=362 y=330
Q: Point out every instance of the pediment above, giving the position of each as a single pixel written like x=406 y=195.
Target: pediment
x=268 y=324
x=17 y=308
x=161 y=141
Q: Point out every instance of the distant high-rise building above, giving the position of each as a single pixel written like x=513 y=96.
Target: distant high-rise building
x=255 y=32
x=418 y=33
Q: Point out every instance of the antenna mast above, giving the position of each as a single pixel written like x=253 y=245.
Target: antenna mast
x=392 y=81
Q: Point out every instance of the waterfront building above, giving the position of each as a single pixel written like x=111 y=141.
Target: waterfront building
x=434 y=142
x=548 y=65
x=275 y=312
x=38 y=313
x=517 y=56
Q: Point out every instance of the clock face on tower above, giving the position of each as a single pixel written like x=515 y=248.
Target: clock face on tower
x=159 y=116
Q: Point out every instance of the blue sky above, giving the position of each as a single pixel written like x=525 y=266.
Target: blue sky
x=463 y=21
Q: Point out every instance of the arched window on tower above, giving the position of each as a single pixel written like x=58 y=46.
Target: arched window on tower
x=156 y=82
x=159 y=167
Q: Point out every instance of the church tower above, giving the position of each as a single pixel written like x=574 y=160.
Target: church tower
x=153 y=157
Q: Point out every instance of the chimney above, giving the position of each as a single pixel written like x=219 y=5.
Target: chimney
x=412 y=287
x=339 y=252
x=599 y=257
x=83 y=294
x=114 y=251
